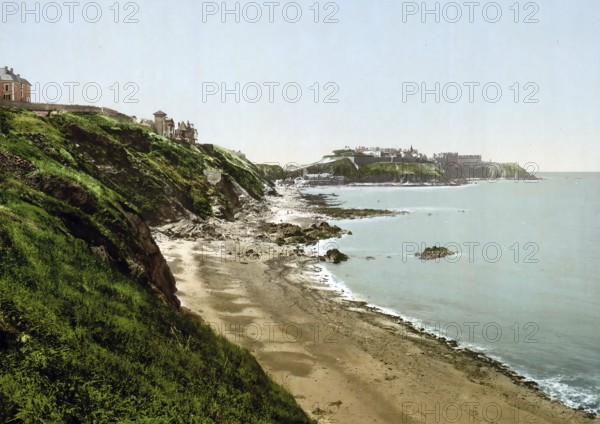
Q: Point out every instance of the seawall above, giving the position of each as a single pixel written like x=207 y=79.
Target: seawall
x=48 y=108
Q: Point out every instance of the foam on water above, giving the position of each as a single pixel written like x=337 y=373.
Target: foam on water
x=558 y=388
x=323 y=274
x=506 y=213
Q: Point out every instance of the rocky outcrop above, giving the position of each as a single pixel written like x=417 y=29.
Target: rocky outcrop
x=108 y=179
x=323 y=204
x=434 y=253
x=69 y=192
x=14 y=164
x=188 y=229
x=126 y=244
x=335 y=256
x=294 y=234
x=156 y=271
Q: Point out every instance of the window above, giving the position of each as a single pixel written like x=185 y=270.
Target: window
x=6 y=88
x=7 y=97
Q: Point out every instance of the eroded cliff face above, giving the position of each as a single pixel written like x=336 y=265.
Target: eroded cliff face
x=108 y=180
x=156 y=271
x=88 y=326
x=167 y=181
x=132 y=249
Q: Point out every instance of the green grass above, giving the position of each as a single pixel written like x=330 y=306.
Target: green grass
x=378 y=172
x=162 y=179
x=241 y=169
x=271 y=172
x=514 y=171
x=341 y=167
x=419 y=171
x=86 y=341
x=83 y=343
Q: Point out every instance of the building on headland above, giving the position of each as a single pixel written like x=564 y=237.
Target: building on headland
x=324 y=178
x=467 y=160
x=13 y=87
x=160 y=123
x=367 y=155
x=184 y=132
x=455 y=166
x=446 y=159
x=454 y=159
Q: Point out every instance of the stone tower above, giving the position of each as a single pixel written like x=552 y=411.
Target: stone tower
x=160 y=122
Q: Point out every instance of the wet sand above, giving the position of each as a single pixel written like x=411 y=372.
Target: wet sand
x=343 y=362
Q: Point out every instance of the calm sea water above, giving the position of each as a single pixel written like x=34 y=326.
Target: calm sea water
x=524 y=287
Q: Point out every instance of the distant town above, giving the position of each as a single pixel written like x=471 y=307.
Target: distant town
x=366 y=162
x=391 y=165
x=365 y=155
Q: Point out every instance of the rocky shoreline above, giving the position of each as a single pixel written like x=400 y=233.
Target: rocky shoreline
x=325 y=204
x=277 y=280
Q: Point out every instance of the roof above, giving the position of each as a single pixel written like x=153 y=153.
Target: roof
x=7 y=74
x=160 y=113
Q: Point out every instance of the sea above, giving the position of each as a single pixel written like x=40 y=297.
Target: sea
x=523 y=286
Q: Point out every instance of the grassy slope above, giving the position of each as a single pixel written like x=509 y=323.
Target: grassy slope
x=382 y=172
x=82 y=341
x=377 y=172
x=398 y=171
x=341 y=167
x=515 y=171
x=160 y=177
x=272 y=172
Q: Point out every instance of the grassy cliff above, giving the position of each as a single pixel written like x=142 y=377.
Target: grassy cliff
x=383 y=172
x=398 y=172
x=83 y=335
x=514 y=171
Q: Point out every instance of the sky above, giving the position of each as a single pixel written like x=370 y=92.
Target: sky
x=288 y=82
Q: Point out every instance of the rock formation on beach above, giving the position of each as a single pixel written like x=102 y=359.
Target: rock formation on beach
x=335 y=256
x=286 y=233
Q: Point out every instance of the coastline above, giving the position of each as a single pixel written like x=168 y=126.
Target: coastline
x=344 y=360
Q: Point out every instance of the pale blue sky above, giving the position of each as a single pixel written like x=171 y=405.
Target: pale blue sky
x=369 y=54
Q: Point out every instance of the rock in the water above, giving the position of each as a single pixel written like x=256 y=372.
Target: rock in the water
x=434 y=252
x=335 y=256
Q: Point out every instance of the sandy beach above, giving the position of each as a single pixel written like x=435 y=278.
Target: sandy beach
x=343 y=361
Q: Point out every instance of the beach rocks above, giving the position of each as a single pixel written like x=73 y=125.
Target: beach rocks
x=286 y=233
x=324 y=205
x=188 y=229
x=434 y=252
x=335 y=256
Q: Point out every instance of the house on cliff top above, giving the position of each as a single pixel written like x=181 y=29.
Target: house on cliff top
x=13 y=87
x=183 y=133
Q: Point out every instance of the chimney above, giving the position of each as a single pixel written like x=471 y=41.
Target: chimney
x=11 y=70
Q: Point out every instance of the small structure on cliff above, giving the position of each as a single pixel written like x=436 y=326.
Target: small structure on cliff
x=183 y=133
x=13 y=87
